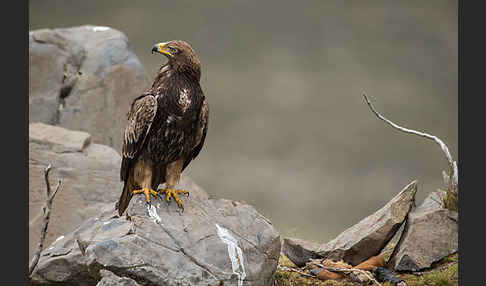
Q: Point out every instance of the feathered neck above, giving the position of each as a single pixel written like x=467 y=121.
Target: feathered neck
x=169 y=72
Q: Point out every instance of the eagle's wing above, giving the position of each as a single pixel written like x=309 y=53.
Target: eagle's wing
x=140 y=118
x=201 y=133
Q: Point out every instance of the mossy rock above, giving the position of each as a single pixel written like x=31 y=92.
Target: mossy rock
x=443 y=273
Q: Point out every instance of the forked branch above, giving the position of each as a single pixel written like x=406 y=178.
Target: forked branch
x=47 y=212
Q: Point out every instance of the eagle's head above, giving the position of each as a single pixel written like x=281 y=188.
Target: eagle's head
x=182 y=57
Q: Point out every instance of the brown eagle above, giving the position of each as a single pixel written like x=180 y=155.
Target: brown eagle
x=166 y=127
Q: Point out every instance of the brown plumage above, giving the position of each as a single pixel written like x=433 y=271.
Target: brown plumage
x=166 y=127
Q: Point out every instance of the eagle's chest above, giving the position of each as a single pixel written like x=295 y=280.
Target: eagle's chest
x=176 y=124
x=176 y=100
x=184 y=100
x=178 y=109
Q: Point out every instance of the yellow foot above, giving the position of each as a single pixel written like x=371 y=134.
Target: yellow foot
x=147 y=193
x=175 y=194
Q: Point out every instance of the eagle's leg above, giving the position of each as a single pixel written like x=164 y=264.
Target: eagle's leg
x=173 y=175
x=143 y=177
x=147 y=192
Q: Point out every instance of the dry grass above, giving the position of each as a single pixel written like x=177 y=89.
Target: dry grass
x=443 y=273
x=289 y=278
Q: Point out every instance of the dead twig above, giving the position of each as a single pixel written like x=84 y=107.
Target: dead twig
x=285 y=268
x=347 y=270
x=47 y=212
x=452 y=181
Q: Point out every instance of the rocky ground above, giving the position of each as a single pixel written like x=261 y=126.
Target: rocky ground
x=442 y=273
x=423 y=251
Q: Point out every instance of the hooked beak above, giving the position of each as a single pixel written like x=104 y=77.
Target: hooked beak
x=159 y=48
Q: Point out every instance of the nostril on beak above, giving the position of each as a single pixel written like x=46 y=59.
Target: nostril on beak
x=155 y=49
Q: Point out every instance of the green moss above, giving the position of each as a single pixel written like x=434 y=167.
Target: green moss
x=285 y=261
x=451 y=258
x=388 y=250
x=451 y=199
x=443 y=273
x=452 y=196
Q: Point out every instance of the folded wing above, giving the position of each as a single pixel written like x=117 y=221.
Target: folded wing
x=140 y=118
x=200 y=134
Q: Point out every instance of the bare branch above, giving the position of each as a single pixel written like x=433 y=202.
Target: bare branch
x=46 y=177
x=47 y=212
x=452 y=163
x=285 y=268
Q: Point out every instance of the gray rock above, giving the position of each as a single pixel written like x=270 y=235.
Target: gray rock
x=430 y=234
x=110 y=279
x=89 y=174
x=214 y=241
x=299 y=251
x=361 y=241
x=52 y=60
x=84 y=78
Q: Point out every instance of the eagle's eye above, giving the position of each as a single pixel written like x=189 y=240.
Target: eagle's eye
x=172 y=50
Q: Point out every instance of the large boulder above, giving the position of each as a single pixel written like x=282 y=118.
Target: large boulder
x=84 y=78
x=430 y=234
x=213 y=242
x=89 y=174
x=361 y=241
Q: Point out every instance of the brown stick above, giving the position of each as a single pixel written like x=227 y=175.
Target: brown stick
x=452 y=164
x=349 y=270
x=47 y=212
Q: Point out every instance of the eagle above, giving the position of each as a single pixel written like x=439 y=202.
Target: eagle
x=166 y=128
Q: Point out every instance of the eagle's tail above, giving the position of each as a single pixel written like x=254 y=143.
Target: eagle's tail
x=125 y=197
